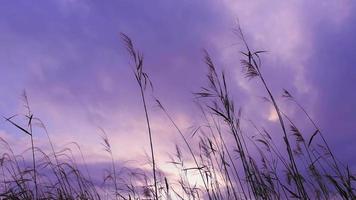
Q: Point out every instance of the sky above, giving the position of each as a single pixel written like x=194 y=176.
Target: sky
x=68 y=56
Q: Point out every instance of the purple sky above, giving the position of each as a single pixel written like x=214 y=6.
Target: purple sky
x=68 y=56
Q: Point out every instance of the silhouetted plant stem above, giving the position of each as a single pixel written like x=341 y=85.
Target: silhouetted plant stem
x=290 y=153
x=252 y=66
x=321 y=135
x=30 y=117
x=335 y=166
x=225 y=150
x=151 y=141
x=187 y=144
x=34 y=163
x=107 y=148
x=142 y=80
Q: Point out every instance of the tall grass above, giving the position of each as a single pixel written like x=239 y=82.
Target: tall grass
x=229 y=155
x=142 y=80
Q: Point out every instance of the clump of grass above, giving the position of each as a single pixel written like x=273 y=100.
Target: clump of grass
x=28 y=131
x=54 y=175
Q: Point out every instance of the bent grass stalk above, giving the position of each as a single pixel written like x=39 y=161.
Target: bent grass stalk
x=252 y=64
x=142 y=80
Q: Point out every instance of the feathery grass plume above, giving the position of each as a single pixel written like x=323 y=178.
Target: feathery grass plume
x=107 y=147
x=252 y=62
x=222 y=106
x=142 y=80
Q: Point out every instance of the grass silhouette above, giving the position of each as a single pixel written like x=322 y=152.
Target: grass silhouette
x=220 y=150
